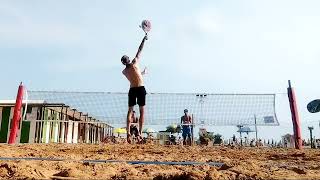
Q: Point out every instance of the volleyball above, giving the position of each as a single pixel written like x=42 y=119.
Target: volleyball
x=146 y=26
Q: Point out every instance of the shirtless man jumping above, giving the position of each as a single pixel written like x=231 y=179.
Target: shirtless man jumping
x=137 y=92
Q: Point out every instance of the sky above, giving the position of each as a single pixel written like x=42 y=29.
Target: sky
x=208 y=46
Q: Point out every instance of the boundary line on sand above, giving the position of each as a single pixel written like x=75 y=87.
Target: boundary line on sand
x=185 y=163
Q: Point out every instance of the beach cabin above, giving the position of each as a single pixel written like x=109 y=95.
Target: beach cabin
x=52 y=123
x=164 y=137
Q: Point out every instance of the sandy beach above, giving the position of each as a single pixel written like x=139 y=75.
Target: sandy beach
x=239 y=163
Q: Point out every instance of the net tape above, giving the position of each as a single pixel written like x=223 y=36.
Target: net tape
x=167 y=108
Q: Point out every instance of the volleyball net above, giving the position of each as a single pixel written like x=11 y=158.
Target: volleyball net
x=167 y=108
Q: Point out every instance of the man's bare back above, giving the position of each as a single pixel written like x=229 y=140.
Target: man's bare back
x=133 y=74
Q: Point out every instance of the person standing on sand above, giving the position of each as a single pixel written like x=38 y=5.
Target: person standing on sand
x=137 y=92
x=134 y=125
x=186 y=122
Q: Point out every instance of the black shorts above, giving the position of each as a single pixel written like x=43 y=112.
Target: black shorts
x=137 y=95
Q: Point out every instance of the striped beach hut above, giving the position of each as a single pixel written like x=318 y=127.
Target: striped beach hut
x=52 y=123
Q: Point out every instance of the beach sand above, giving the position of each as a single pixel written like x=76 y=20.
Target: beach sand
x=239 y=163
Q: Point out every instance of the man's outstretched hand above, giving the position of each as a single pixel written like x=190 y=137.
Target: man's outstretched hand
x=144 y=71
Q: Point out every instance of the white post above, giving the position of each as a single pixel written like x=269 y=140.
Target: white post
x=255 y=124
x=32 y=118
x=69 y=134
x=75 y=132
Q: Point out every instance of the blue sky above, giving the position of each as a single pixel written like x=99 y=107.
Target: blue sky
x=206 y=46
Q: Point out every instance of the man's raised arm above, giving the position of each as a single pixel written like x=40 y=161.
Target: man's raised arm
x=140 y=49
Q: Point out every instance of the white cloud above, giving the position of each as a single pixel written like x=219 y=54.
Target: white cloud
x=17 y=27
x=209 y=21
x=40 y=34
x=204 y=22
x=13 y=14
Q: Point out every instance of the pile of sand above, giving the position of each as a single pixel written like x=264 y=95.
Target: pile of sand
x=239 y=163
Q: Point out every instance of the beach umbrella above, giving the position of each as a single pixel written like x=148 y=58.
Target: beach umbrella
x=245 y=130
x=174 y=125
x=314 y=106
x=148 y=130
x=120 y=130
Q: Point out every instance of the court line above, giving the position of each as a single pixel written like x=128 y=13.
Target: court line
x=218 y=164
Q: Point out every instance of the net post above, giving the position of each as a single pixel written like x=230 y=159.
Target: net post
x=295 y=117
x=16 y=115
